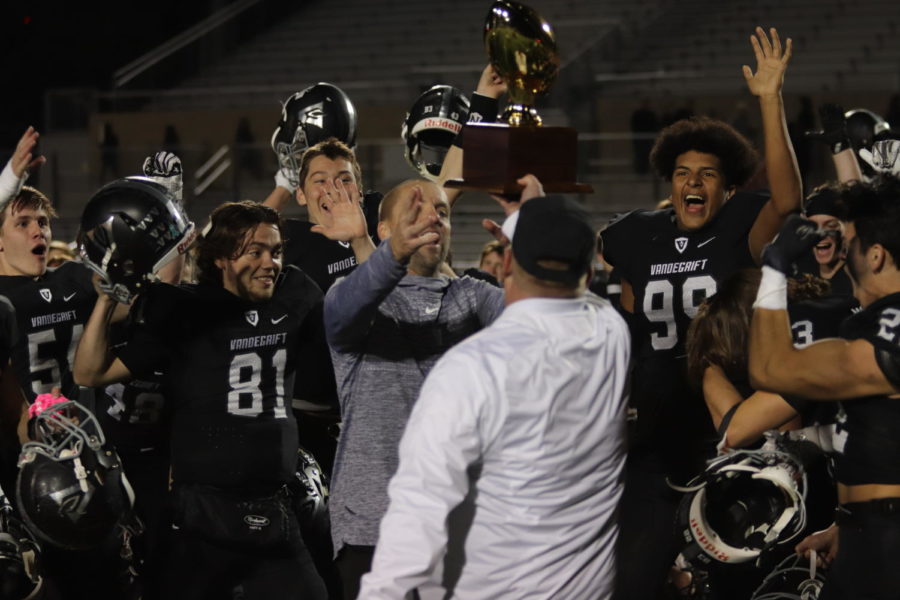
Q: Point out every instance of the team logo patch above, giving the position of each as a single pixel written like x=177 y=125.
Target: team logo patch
x=681 y=244
x=46 y=295
x=252 y=317
x=256 y=522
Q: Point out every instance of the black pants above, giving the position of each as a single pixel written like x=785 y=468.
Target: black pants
x=353 y=562
x=647 y=545
x=867 y=566
x=200 y=570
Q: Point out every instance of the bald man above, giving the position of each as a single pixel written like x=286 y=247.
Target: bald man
x=388 y=322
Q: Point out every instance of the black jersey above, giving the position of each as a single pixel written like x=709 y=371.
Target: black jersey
x=51 y=311
x=228 y=363
x=671 y=271
x=867 y=442
x=840 y=283
x=8 y=330
x=819 y=319
x=322 y=259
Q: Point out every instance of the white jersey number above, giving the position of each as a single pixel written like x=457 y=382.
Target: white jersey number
x=659 y=305
x=889 y=323
x=46 y=372
x=244 y=379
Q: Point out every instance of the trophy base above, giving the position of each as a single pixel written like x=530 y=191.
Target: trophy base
x=495 y=155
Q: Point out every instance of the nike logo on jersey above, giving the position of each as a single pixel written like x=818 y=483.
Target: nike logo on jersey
x=46 y=295
x=252 y=317
x=681 y=244
x=279 y=319
x=432 y=310
x=344 y=244
x=701 y=244
x=69 y=297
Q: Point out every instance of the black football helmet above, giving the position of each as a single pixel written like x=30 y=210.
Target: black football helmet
x=319 y=112
x=744 y=503
x=71 y=489
x=795 y=578
x=130 y=229
x=431 y=126
x=864 y=128
x=20 y=577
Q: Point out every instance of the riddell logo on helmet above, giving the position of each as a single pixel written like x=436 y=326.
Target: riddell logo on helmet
x=706 y=544
x=439 y=123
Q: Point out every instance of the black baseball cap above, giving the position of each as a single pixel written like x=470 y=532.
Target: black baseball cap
x=554 y=228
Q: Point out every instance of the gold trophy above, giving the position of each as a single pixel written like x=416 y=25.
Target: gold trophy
x=522 y=49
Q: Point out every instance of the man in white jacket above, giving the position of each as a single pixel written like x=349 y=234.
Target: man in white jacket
x=510 y=464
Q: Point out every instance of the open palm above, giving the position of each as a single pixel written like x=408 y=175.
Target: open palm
x=771 y=63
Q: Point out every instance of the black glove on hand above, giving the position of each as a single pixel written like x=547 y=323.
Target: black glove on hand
x=797 y=236
x=833 y=133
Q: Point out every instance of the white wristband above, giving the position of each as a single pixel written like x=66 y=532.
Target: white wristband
x=282 y=181
x=10 y=185
x=772 y=293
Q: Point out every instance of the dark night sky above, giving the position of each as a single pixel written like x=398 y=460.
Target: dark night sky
x=61 y=43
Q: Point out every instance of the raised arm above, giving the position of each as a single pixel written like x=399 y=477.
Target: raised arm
x=833 y=369
x=781 y=164
x=348 y=223
x=22 y=162
x=94 y=363
x=834 y=135
x=483 y=108
x=352 y=302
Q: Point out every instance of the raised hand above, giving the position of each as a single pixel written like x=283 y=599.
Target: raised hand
x=490 y=83
x=884 y=156
x=796 y=238
x=22 y=159
x=771 y=63
x=409 y=233
x=347 y=219
x=165 y=169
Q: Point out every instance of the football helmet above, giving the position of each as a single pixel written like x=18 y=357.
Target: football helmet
x=744 y=503
x=431 y=126
x=319 y=112
x=71 y=489
x=795 y=578
x=19 y=553
x=130 y=229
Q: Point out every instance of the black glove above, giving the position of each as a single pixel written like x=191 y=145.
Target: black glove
x=797 y=236
x=834 y=132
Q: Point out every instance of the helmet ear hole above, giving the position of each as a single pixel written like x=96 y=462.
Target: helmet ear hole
x=431 y=126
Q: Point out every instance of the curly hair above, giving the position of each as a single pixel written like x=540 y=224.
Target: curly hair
x=227 y=233
x=736 y=154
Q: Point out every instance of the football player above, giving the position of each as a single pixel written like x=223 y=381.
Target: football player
x=228 y=349
x=861 y=370
x=669 y=261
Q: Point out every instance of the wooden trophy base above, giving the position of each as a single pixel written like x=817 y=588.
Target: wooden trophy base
x=495 y=155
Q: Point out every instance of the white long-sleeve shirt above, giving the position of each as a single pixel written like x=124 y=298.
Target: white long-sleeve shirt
x=525 y=421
